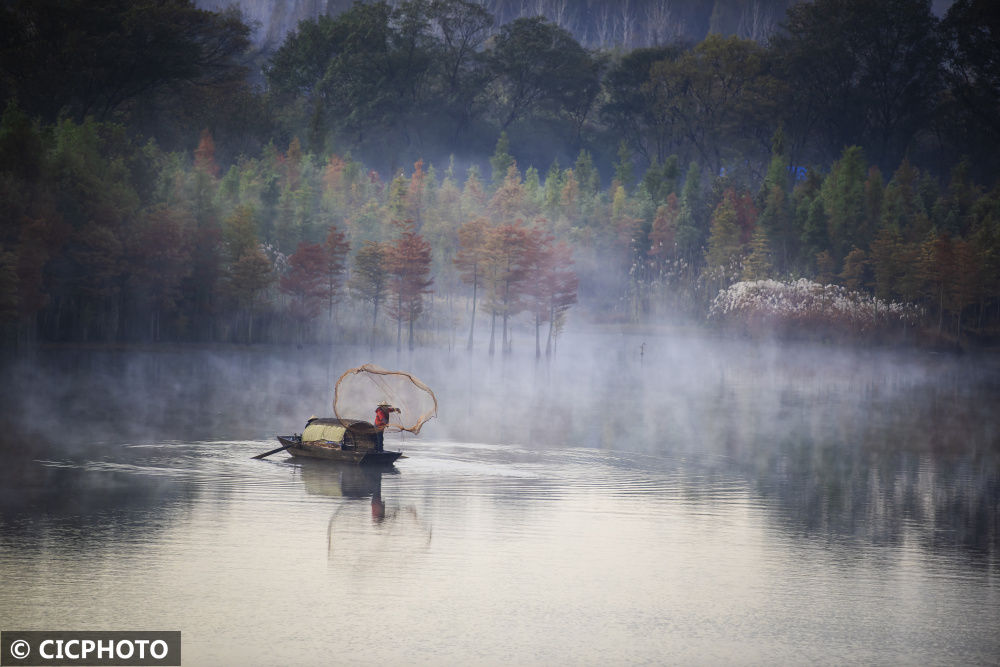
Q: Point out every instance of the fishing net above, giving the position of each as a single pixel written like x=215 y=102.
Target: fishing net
x=360 y=390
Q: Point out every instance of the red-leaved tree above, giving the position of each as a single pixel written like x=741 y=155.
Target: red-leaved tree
x=508 y=258
x=159 y=252
x=409 y=268
x=306 y=281
x=551 y=285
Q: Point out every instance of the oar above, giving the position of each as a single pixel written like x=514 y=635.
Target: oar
x=273 y=451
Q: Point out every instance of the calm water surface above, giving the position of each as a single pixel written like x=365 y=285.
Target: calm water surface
x=693 y=505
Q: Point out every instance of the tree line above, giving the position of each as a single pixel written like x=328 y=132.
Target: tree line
x=280 y=248
x=173 y=201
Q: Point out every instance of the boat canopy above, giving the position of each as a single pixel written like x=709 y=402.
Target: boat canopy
x=330 y=430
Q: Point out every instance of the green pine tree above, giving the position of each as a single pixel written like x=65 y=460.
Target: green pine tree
x=501 y=160
x=758 y=265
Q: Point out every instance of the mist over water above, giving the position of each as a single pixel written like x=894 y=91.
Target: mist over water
x=675 y=499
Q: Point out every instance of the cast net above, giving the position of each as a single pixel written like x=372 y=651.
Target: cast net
x=360 y=390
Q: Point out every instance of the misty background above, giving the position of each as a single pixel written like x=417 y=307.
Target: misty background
x=419 y=172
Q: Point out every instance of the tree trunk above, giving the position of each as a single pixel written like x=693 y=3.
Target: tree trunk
x=399 y=323
x=250 y=324
x=472 y=325
x=504 y=341
x=941 y=309
x=493 y=329
x=548 y=342
x=538 y=342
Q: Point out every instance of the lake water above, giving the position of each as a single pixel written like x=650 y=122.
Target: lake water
x=664 y=500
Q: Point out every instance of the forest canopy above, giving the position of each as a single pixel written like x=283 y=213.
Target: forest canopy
x=405 y=172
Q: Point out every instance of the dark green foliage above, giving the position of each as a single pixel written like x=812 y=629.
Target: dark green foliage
x=861 y=71
x=971 y=35
x=164 y=66
x=661 y=180
x=630 y=105
x=538 y=68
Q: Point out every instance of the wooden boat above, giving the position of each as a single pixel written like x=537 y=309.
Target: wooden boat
x=347 y=441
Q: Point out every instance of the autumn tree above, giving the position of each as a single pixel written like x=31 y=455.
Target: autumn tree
x=370 y=280
x=758 y=265
x=508 y=200
x=207 y=280
x=306 y=282
x=551 y=287
x=536 y=263
x=408 y=262
x=159 y=254
x=473 y=195
x=967 y=282
x=885 y=256
x=855 y=269
x=38 y=241
x=724 y=254
x=204 y=155
x=248 y=277
x=249 y=271
x=663 y=235
x=507 y=251
x=951 y=267
x=471 y=261
x=826 y=268
x=335 y=249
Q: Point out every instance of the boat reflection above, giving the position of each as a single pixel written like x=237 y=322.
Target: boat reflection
x=356 y=532
x=341 y=480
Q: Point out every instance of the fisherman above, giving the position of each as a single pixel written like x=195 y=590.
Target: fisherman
x=382 y=413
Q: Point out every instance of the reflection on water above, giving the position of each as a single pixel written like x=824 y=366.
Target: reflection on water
x=697 y=505
x=367 y=528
